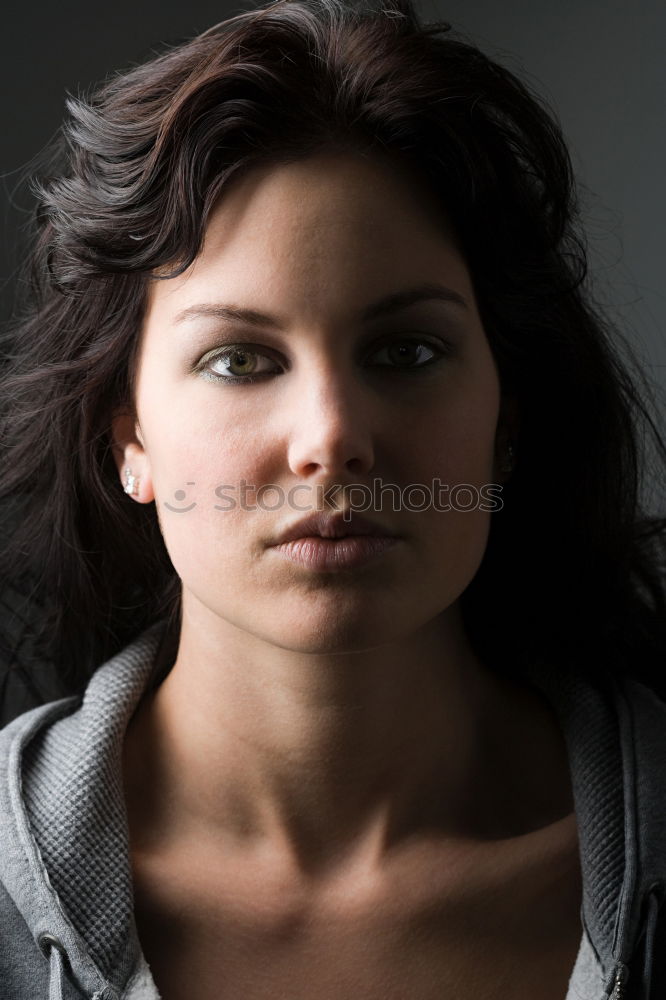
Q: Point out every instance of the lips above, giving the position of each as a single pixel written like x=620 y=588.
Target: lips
x=336 y=525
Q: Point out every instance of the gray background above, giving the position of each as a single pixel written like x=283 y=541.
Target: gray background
x=599 y=63
x=601 y=66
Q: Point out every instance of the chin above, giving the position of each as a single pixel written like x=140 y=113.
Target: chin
x=335 y=630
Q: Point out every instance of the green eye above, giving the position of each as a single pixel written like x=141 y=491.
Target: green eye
x=238 y=360
x=242 y=363
x=241 y=359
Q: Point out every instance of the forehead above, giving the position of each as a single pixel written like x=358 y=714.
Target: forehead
x=329 y=190
x=331 y=229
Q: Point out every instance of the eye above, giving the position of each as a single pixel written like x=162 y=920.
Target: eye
x=405 y=352
x=238 y=363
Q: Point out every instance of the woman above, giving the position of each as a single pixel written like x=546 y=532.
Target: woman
x=341 y=471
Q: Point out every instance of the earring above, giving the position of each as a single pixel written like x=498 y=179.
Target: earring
x=131 y=482
x=507 y=464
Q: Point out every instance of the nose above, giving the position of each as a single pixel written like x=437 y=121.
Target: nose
x=331 y=435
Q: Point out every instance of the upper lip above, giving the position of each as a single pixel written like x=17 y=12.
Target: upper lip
x=331 y=526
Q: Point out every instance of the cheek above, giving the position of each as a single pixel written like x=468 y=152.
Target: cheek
x=199 y=464
x=453 y=436
x=459 y=544
x=457 y=449
x=199 y=446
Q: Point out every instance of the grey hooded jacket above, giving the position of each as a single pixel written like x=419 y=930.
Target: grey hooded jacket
x=66 y=916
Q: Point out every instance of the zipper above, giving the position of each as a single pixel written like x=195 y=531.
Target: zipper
x=621 y=976
x=654 y=899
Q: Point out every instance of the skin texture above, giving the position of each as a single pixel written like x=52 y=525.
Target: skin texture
x=329 y=783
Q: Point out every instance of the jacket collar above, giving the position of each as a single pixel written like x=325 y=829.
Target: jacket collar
x=66 y=859
x=65 y=841
x=616 y=742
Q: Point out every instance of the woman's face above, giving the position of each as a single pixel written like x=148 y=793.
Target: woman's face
x=346 y=394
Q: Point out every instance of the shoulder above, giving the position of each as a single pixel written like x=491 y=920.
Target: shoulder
x=642 y=726
x=24 y=971
x=24 y=968
x=64 y=868
x=15 y=738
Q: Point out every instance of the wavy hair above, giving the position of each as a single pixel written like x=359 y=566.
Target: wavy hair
x=574 y=567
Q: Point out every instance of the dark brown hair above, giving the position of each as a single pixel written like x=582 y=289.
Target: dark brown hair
x=573 y=570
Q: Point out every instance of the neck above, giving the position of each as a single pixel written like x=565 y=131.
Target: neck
x=320 y=751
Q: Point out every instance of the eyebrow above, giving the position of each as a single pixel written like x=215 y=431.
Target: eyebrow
x=382 y=307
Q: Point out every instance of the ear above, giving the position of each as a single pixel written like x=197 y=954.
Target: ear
x=130 y=454
x=508 y=428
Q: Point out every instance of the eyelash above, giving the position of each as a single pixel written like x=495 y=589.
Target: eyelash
x=442 y=349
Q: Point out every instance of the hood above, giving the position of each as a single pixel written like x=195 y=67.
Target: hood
x=65 y=859
x=616 y=743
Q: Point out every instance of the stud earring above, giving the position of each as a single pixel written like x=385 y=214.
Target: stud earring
x=507 y=464
x=131 y=482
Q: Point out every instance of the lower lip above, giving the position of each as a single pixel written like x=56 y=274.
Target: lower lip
x=332 y=554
